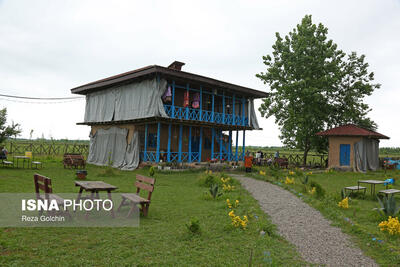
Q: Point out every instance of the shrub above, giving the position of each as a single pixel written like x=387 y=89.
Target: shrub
x=193 y=226
x=319 y=191
x=152 y=171
x=388 y=206
x=214 y=191
x=392 y=225
x=207 y=180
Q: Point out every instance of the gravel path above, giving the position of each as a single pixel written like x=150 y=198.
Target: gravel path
x=316 y=240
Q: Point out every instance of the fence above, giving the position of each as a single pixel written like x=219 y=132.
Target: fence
x=297 y=159
x=44 y=148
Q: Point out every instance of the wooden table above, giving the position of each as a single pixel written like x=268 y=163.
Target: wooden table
x=94 y=187
x=388 y=192
x=23 y=158
x=373 y=183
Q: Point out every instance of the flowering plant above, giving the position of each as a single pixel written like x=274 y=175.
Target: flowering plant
x=391 y=225
x=237 y=221
x=344 y=204
x=312 y=191
x=289 y=181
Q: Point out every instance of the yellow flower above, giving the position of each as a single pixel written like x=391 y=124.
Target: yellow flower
x=289 y=181
x=312 y=191
x=344 y=204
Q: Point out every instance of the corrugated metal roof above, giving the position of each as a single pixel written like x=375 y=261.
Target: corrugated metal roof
x=352 y=130
x=167 y=73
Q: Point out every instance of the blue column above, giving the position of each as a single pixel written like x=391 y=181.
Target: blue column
x=233 y=109
x=200 y=143
x=243 y=110
x=173 y=100
x=201 y=102
x=212 y=142
x=237 y=145
x=145 y=142
x=230 y=146
x=169 y=143
x=212 y=109
x=187 y=108
x=244 y=144
x=190 y=144
x=220 y=144
x=158 y=141
x=223 y=107
x=180 y=144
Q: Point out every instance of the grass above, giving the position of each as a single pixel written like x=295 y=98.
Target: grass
x=360 y=221
x=162 y=238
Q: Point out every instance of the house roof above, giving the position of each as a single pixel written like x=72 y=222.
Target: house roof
x=352 y=130
x=153 y=70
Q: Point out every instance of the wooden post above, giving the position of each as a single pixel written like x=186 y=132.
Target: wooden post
x=200 y=143
x=180 y=144
x=237 y=145
x=169 y=144
x=187 y=108
x=212 y=142
x=201 y=102
x=190 y=144
x=243 y=108
x=233 y=109
x=145 y=142
x=230 y=146
x=173 y=100
x=220 y=144
x=244 y=144
x=223 y=107
x=158 y=141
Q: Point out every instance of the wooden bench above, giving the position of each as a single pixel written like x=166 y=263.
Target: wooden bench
x=74 y=160
x=355 y=188
x=142 y=182
x=282 y=162
x=8 y=163
x=43 y=183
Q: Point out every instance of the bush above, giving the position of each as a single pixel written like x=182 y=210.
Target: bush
x=152 y=171
x=193 y=226
x=208 y=180
x=319 y=191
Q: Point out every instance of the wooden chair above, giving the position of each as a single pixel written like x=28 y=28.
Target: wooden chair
x=43 y=183
x=74 y=160
x=144 y=183
x=36 y=163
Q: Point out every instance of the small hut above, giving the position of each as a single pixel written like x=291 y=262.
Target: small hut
x=353 y=147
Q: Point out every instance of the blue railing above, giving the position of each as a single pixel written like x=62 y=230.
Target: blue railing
x=205 y=115
x=151 y=156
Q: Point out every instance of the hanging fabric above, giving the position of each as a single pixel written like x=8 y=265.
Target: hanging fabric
x=167 y=95
x=196 y=101
x=186 y=99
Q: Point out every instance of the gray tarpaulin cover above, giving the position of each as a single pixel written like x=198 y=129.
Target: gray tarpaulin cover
x=110 y=147
x=126 y=102
x=366 y=154
x=253 y=117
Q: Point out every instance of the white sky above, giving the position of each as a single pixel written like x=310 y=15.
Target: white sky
x=49 y=47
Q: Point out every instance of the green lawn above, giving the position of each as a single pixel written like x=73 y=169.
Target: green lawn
x=360 y=220
x=162 y=238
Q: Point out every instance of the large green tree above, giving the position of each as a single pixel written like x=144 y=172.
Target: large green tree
x=7 y=131
x=314 y=86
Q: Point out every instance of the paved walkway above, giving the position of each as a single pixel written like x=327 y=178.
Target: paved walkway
x=315 y=239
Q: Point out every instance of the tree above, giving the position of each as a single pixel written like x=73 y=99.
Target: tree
x=9 y=130
x=314 y=86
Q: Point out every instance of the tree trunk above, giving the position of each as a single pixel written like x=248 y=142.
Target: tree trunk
x=305 y=156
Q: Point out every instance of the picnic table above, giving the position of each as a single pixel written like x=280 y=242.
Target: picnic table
x=373 y=183
x=388 y=192
x=24 y=158
x=94 y=187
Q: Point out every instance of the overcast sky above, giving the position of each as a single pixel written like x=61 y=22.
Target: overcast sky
x=49 y=47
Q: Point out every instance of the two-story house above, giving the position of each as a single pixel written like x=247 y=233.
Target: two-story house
x=156 y=114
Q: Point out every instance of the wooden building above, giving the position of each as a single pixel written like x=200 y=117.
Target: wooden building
x=166 y=114
x=353 y=147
